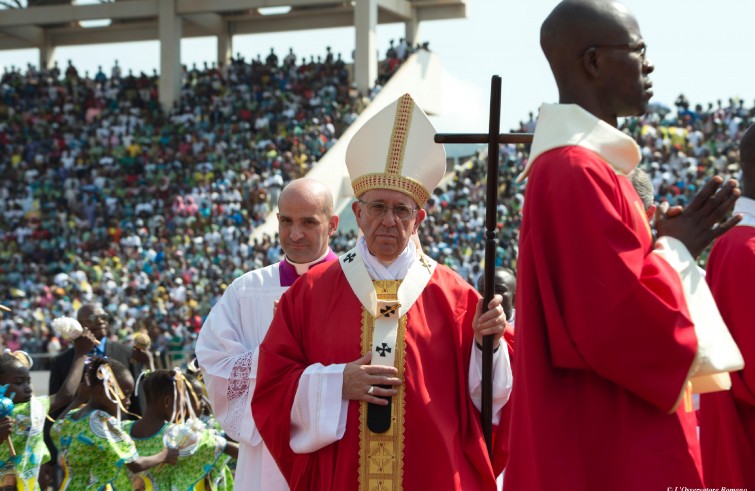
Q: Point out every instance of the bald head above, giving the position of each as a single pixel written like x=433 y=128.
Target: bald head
x=584 y=41
x=310 y=190
x=505 y=285
x=93 y=317
x=84 y=312
x=747 y=157
x=575 y=25
x=305 y=220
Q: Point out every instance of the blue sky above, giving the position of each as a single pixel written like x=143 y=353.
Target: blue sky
x=699 y=47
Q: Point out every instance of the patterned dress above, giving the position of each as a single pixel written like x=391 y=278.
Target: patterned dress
x=221 y=477
x=28 y=441
x=93 y=451
x=194 y=462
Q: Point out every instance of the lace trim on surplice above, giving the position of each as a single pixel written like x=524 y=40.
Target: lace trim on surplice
x=238 y=393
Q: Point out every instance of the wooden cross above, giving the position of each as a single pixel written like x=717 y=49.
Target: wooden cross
x=493 y=138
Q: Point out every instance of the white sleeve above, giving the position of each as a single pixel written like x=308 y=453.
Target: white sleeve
x=717 y=353
x=231 y=398
x=228 y=350
x=318 y=416
x=502 y=379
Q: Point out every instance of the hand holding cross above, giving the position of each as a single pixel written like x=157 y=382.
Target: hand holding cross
x=493 y=138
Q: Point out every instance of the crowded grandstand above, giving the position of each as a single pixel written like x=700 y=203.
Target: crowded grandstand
x=106 y=198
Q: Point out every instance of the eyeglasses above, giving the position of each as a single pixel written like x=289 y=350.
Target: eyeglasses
x=376 y=209
x=639 y=48
x=99 y=317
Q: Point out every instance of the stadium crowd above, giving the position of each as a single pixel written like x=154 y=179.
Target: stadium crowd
x=107 y=198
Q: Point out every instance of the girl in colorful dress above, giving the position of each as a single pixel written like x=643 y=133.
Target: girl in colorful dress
x=26 y=451
x=221 y=476
x=93 y=449
x=171 y=419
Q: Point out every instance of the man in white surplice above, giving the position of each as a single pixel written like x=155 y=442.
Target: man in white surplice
x=228 y=344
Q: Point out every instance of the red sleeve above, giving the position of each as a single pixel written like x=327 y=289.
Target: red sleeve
x=610 y=305
x=731 y=276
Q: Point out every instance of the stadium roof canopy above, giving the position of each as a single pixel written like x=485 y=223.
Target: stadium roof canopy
x=46 y=24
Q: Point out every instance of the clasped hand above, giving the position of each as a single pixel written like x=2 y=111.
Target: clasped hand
x=697 y=225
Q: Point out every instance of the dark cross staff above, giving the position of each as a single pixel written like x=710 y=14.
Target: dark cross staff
x=493 y=138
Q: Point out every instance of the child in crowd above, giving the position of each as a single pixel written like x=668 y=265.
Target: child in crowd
x=25 y=425
x=221 y=476
x=172 y=407
x=93 y=448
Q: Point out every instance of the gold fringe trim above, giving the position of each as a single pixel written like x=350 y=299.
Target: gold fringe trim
x=403 y=184
x=381 y=455
x=402 y=122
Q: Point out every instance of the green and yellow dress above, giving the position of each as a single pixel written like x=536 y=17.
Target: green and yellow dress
x=28 y=441
x=221 y=477
x=195 y=462
x=93 y=451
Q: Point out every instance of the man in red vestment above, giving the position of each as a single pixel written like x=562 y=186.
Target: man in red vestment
x=605 y=341
x=727 y=419
x=228 y=344
x=369 y=377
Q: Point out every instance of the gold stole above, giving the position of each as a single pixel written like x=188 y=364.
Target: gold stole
x=381 y=455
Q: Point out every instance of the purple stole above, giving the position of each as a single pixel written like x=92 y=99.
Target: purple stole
x=288 y=273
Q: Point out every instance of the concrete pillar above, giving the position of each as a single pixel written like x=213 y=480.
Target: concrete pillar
x=170 y=53
x=46 y=53
x=365 y=60
x=225 y=46
x=411 y=30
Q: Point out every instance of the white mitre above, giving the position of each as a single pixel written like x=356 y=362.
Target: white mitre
x=396 y=150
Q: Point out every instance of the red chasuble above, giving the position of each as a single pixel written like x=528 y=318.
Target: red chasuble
x=319 y=321
x=727 y=419
x=604 y=341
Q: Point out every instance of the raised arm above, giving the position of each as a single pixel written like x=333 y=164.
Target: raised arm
x=65 y=395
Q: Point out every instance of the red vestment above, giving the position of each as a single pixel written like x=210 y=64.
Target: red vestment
x=727 y=419
x=319 y=321
x=604 y=340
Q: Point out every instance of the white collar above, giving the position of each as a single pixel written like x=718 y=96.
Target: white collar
x=561 y=125
x=745 y=206
x=395 y=271
x=302 y=268
x=413 y=282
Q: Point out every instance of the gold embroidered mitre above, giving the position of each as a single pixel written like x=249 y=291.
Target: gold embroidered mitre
x=396 y=150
